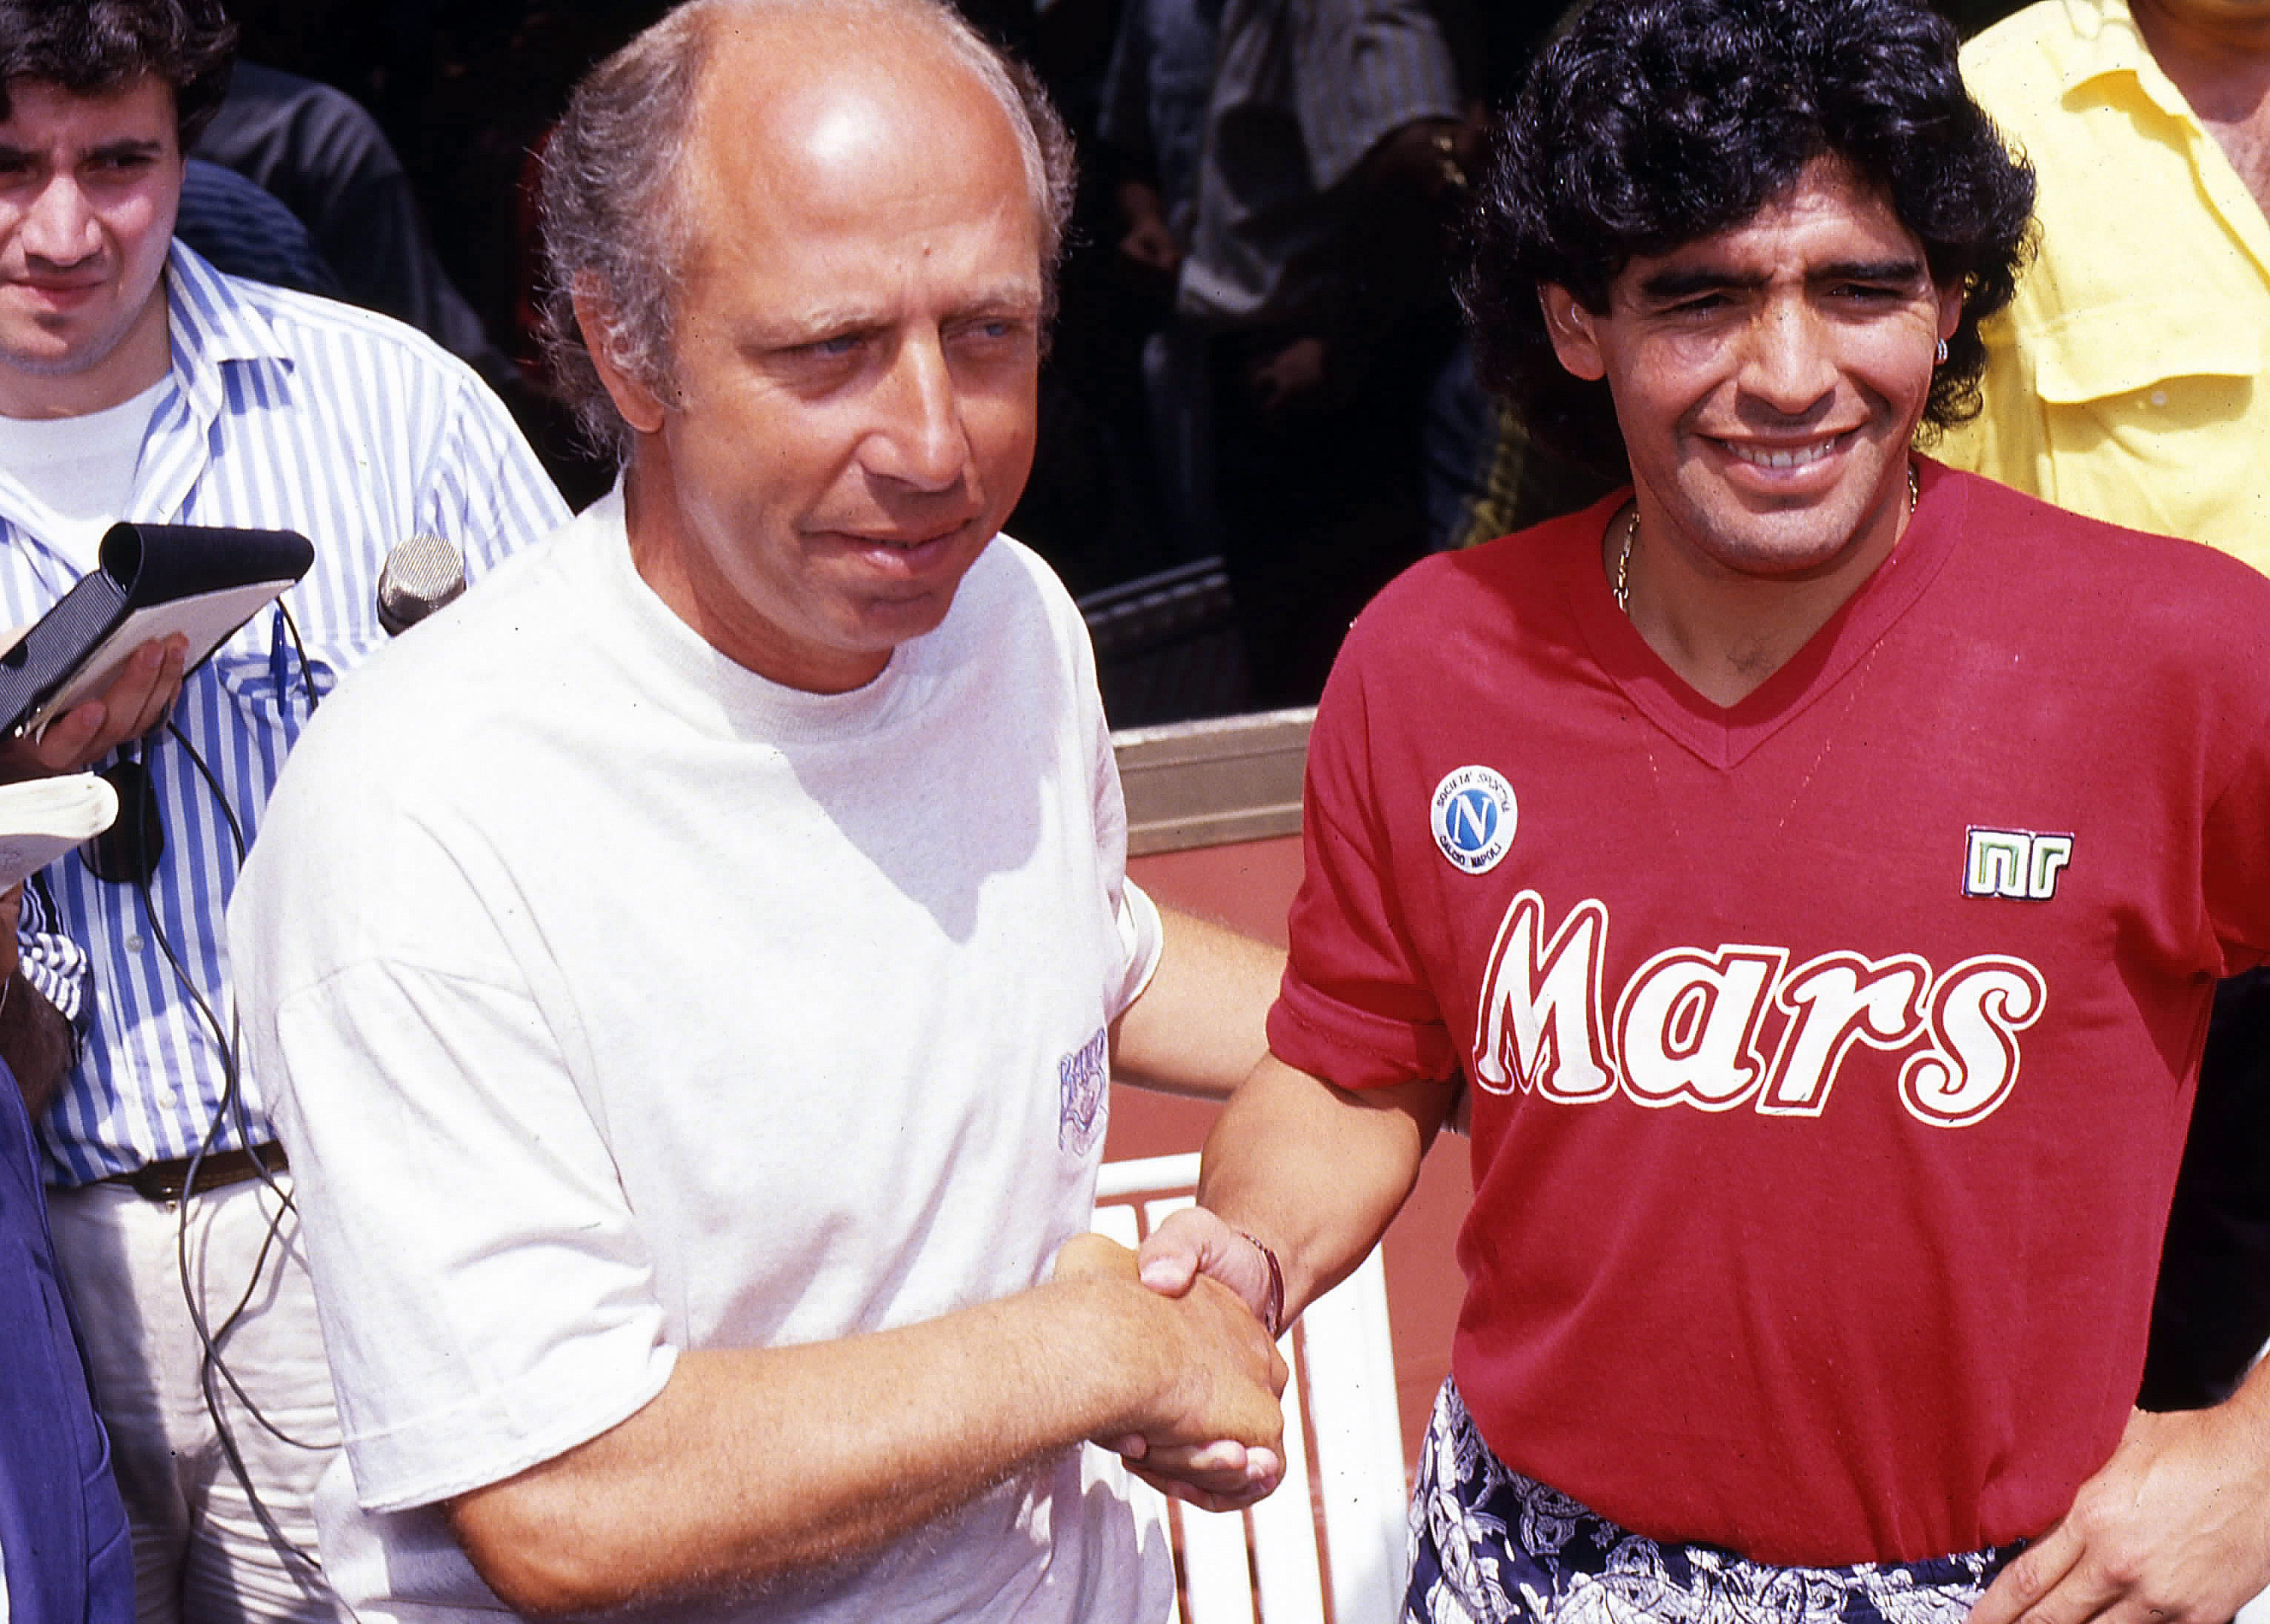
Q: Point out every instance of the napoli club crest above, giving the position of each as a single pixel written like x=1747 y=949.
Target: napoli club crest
x=1474 y=816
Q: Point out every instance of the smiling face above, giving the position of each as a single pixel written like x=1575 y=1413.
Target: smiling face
x=1767 y=380
x=856 y=353
x=88 y=190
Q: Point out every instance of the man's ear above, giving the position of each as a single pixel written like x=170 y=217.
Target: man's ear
x=1950 y=310
x=1570 y=325
x=594 y=317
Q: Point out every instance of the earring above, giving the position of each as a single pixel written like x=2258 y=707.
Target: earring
x=1942 y=352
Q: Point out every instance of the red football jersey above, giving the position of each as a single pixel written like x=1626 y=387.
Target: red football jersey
x=1831 y=1055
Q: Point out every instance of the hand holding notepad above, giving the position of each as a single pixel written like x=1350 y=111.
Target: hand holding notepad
x=154 y=581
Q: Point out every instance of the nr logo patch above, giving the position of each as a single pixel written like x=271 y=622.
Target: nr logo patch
x=2020 y=864
x=1473 y=816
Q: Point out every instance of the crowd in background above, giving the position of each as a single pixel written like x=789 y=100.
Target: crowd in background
x=1257 y=406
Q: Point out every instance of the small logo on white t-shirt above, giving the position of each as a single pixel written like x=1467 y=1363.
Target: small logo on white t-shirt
x=1083 y=1079
x=2017 y=864
x=1474 y=816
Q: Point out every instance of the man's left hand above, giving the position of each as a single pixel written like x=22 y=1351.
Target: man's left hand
x=2174 y=1530
x=138 y=696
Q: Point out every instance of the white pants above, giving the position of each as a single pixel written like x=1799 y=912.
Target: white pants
x=200 y=1553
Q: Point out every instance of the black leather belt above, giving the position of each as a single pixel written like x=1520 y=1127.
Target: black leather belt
x=169 y=1181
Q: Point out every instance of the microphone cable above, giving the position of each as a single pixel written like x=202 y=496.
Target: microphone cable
x=214 y=1371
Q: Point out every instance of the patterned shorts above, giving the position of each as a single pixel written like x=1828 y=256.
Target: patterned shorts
x=1491 y=1546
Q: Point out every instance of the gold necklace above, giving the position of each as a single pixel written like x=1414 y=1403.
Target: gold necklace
x=1621 y=586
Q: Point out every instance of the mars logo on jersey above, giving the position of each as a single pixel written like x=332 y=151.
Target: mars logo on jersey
x=1691 y=1027
x=1473 y=816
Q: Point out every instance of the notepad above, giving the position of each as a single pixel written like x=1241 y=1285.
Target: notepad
x=41 y=818
x=151 y=581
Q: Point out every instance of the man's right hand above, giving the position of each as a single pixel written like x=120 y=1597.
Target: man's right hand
x=136 y=700
x=1210 y=1429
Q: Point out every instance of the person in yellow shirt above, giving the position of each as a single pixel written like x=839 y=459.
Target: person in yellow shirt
x=2130 y=380
x=2124 y=380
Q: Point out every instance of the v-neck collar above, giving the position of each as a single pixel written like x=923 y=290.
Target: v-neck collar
x=1724 y=736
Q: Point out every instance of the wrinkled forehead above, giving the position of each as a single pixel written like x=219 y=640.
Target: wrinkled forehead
x=843 y=137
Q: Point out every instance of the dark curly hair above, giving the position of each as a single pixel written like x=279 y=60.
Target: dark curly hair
x=1651 y=124
x=92 y=48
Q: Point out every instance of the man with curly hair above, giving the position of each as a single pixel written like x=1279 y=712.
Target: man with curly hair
x=1811 y=865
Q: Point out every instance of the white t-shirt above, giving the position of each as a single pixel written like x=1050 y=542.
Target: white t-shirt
x=611 y=1000
x=81 y=469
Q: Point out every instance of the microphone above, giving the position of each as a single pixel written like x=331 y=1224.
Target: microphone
x=419 y=576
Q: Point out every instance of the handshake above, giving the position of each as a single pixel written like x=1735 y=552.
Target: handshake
x=1205 y=1423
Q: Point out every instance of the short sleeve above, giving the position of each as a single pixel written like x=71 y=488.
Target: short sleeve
x=1363 y=71
x=1356 y=1008
x=487 y=1300
x=1142 y=938
x=486 y=493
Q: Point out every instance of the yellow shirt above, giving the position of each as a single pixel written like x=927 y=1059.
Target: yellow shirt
x=2128 y=380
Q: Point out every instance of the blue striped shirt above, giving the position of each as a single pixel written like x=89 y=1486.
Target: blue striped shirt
x=287 y=411
x=50 y=962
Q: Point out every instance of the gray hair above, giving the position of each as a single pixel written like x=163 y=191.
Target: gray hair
x=611 y=203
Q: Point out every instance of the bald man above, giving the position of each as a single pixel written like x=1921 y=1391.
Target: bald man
x=709 y=1055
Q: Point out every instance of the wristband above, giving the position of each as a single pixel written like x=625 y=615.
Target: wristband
x=1272 y=1307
